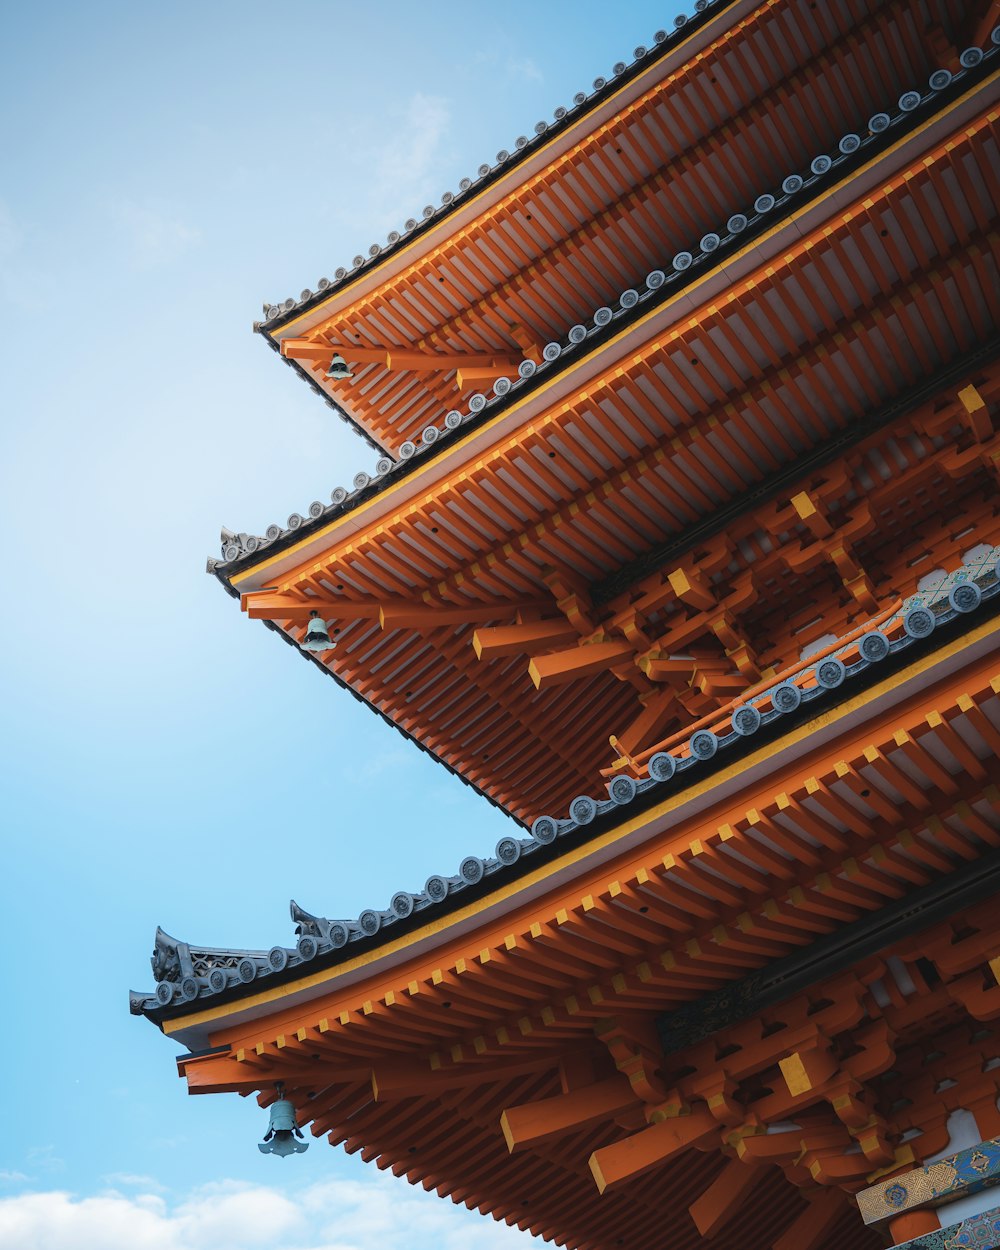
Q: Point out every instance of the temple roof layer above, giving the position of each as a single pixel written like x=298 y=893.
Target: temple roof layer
x=611 y=539
x=490 y=696
x=799 y=900
x=188 y=976
x=738 y=100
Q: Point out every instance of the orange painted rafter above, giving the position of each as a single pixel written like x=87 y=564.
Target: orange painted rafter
x=754 y=166
x=984 y=533
x=469 y=1146
x=657 y=96
x=392 y=358
x=909 y=815
x=514 y=443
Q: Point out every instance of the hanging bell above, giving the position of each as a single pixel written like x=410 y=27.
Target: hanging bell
x=338 y=369
x=282 y=1132
x=317 y=635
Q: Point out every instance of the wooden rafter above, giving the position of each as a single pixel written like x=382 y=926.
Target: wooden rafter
x=501 y=1068
x=633 y=186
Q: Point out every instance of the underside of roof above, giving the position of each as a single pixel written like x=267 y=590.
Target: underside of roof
x=187 y=975
x=626 y=561
x=611 y=539
x=463 y=1066
x=775 y=88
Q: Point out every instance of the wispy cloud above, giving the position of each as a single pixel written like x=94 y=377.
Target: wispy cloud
x=504 y=58
x=155 y=235
x=12 y=1177
x=333 y=1215
x=524 y=67
x=134 y=1181
x=385 y=764
x=45 y=1159
x=406 y=169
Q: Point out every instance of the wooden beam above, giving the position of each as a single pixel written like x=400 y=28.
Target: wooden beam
x=217 y=1074
x=469 y=375
x=560 y=667
x=690 y=588
x=976 y=413
x=807 y=1069
x=306 y=349
x=533 y=1122
x=419 y=616
x=398 y=358
x=526 y=637
x=723 y=1198
x=527 y=342
x=812 y=516
x=391 y=614
x=812 y=1228
x=659 y=710
x=627 y=1159
x=279 y=607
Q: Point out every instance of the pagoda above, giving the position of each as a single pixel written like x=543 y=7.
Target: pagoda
x=682 y=547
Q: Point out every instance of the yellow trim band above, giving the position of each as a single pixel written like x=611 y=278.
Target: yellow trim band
x=456 y=449
x=823 y=720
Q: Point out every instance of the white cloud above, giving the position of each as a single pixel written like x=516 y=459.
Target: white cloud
x=230 y=1215
x=154 y=234
x=6 y=1175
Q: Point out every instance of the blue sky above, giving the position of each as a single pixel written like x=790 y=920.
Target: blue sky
x=166 y=169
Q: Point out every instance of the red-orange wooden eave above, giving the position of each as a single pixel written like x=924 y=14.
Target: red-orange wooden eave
x=619 y=196
x=513 y=1064
x=467 y=613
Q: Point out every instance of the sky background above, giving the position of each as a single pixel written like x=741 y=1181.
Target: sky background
x=165 y=170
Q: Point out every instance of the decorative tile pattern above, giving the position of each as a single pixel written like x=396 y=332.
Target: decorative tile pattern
x=978 y=1232
x=957 y=1176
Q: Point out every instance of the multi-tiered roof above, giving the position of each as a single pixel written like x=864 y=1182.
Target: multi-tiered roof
x=682 y=547
x=758 y=290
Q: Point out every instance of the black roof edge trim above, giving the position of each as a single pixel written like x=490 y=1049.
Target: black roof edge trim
x=654 y=55
x=405 y=733
x=603 y=824
x=764 y=223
